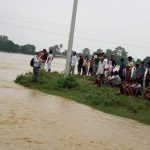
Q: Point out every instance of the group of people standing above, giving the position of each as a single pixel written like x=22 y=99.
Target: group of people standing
x=40 y=60
x=98 y=64
x=130 y=77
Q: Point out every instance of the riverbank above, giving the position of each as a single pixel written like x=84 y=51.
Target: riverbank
x=82 y=90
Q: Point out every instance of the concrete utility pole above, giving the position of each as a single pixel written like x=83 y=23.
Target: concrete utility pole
x=71 y=36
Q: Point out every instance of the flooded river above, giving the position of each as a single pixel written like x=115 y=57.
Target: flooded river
x=31 y=120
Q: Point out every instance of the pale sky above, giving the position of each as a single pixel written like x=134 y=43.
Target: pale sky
x=100 y=24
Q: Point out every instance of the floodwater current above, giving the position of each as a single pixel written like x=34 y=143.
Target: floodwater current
x=31 y=120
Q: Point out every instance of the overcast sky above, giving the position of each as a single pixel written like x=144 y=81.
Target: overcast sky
x=100 y=24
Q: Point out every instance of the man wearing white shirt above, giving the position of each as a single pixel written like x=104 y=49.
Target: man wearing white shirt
x=36 y=67
x=73 y=62
x=101 y=67
x=49 y=61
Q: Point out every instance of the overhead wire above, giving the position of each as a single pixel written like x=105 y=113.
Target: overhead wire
x=32 y=19
x=32 y=29
x=65 y=35
x=78 y=29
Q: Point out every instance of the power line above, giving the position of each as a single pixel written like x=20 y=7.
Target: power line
x=30 y=21
x=108 y=42
x=65 y=35
x=33 y=19
x=112 y=34
x=32 y=29
x=79 y=29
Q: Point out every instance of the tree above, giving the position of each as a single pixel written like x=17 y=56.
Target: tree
x=27 y=49
x=3 y=38
x=86 y=52
x=56 y=49
x=7 y=45
x=119 y=53
x=99 y=51
x=138 y=61
x=146 y=60
x=109 y=52
x=64 y=53
x=60 y=45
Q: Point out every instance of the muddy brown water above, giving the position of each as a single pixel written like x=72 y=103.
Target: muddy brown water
x=31 y=120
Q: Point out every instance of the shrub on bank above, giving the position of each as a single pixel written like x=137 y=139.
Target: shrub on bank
x=24 y=79
x=68 y=82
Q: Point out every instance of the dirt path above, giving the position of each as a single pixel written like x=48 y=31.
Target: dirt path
x=30 y=120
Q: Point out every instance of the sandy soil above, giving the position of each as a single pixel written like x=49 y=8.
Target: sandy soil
x=30 y=120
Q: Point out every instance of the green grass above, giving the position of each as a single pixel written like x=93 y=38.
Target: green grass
x=81 y=89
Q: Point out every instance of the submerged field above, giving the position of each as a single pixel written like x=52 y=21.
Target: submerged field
x=82 y=90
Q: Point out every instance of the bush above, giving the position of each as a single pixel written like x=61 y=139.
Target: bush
x=147 y=103
x=68 y=82
x=24 y=79
x=133 y=107
x=115 y=101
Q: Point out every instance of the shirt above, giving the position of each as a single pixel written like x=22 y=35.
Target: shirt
x=96 y=61
x=101 y=66
x=113 y=62
x=36 y=62
x=105 y=62
x=80 y=61
x=50 y=57
x=73 y=60
x=148 y=74
x=117 y=80
x=130 y=64
x=137 y=86
x=141 y=71
x=121 y=69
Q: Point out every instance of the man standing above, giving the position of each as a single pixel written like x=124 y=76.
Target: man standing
x=130 y=62
x=36 y=67
x=80 y=64
x=96 y=62
x=49 y=61
x=147 y=80
x=141 y=70
x=113 y=61
x=101 y=67
x=122 y=70
x=73 y=62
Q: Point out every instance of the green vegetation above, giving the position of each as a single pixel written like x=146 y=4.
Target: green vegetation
x=7 y=45
x=82 y=90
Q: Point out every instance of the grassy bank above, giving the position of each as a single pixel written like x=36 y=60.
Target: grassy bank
x=82 y=90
